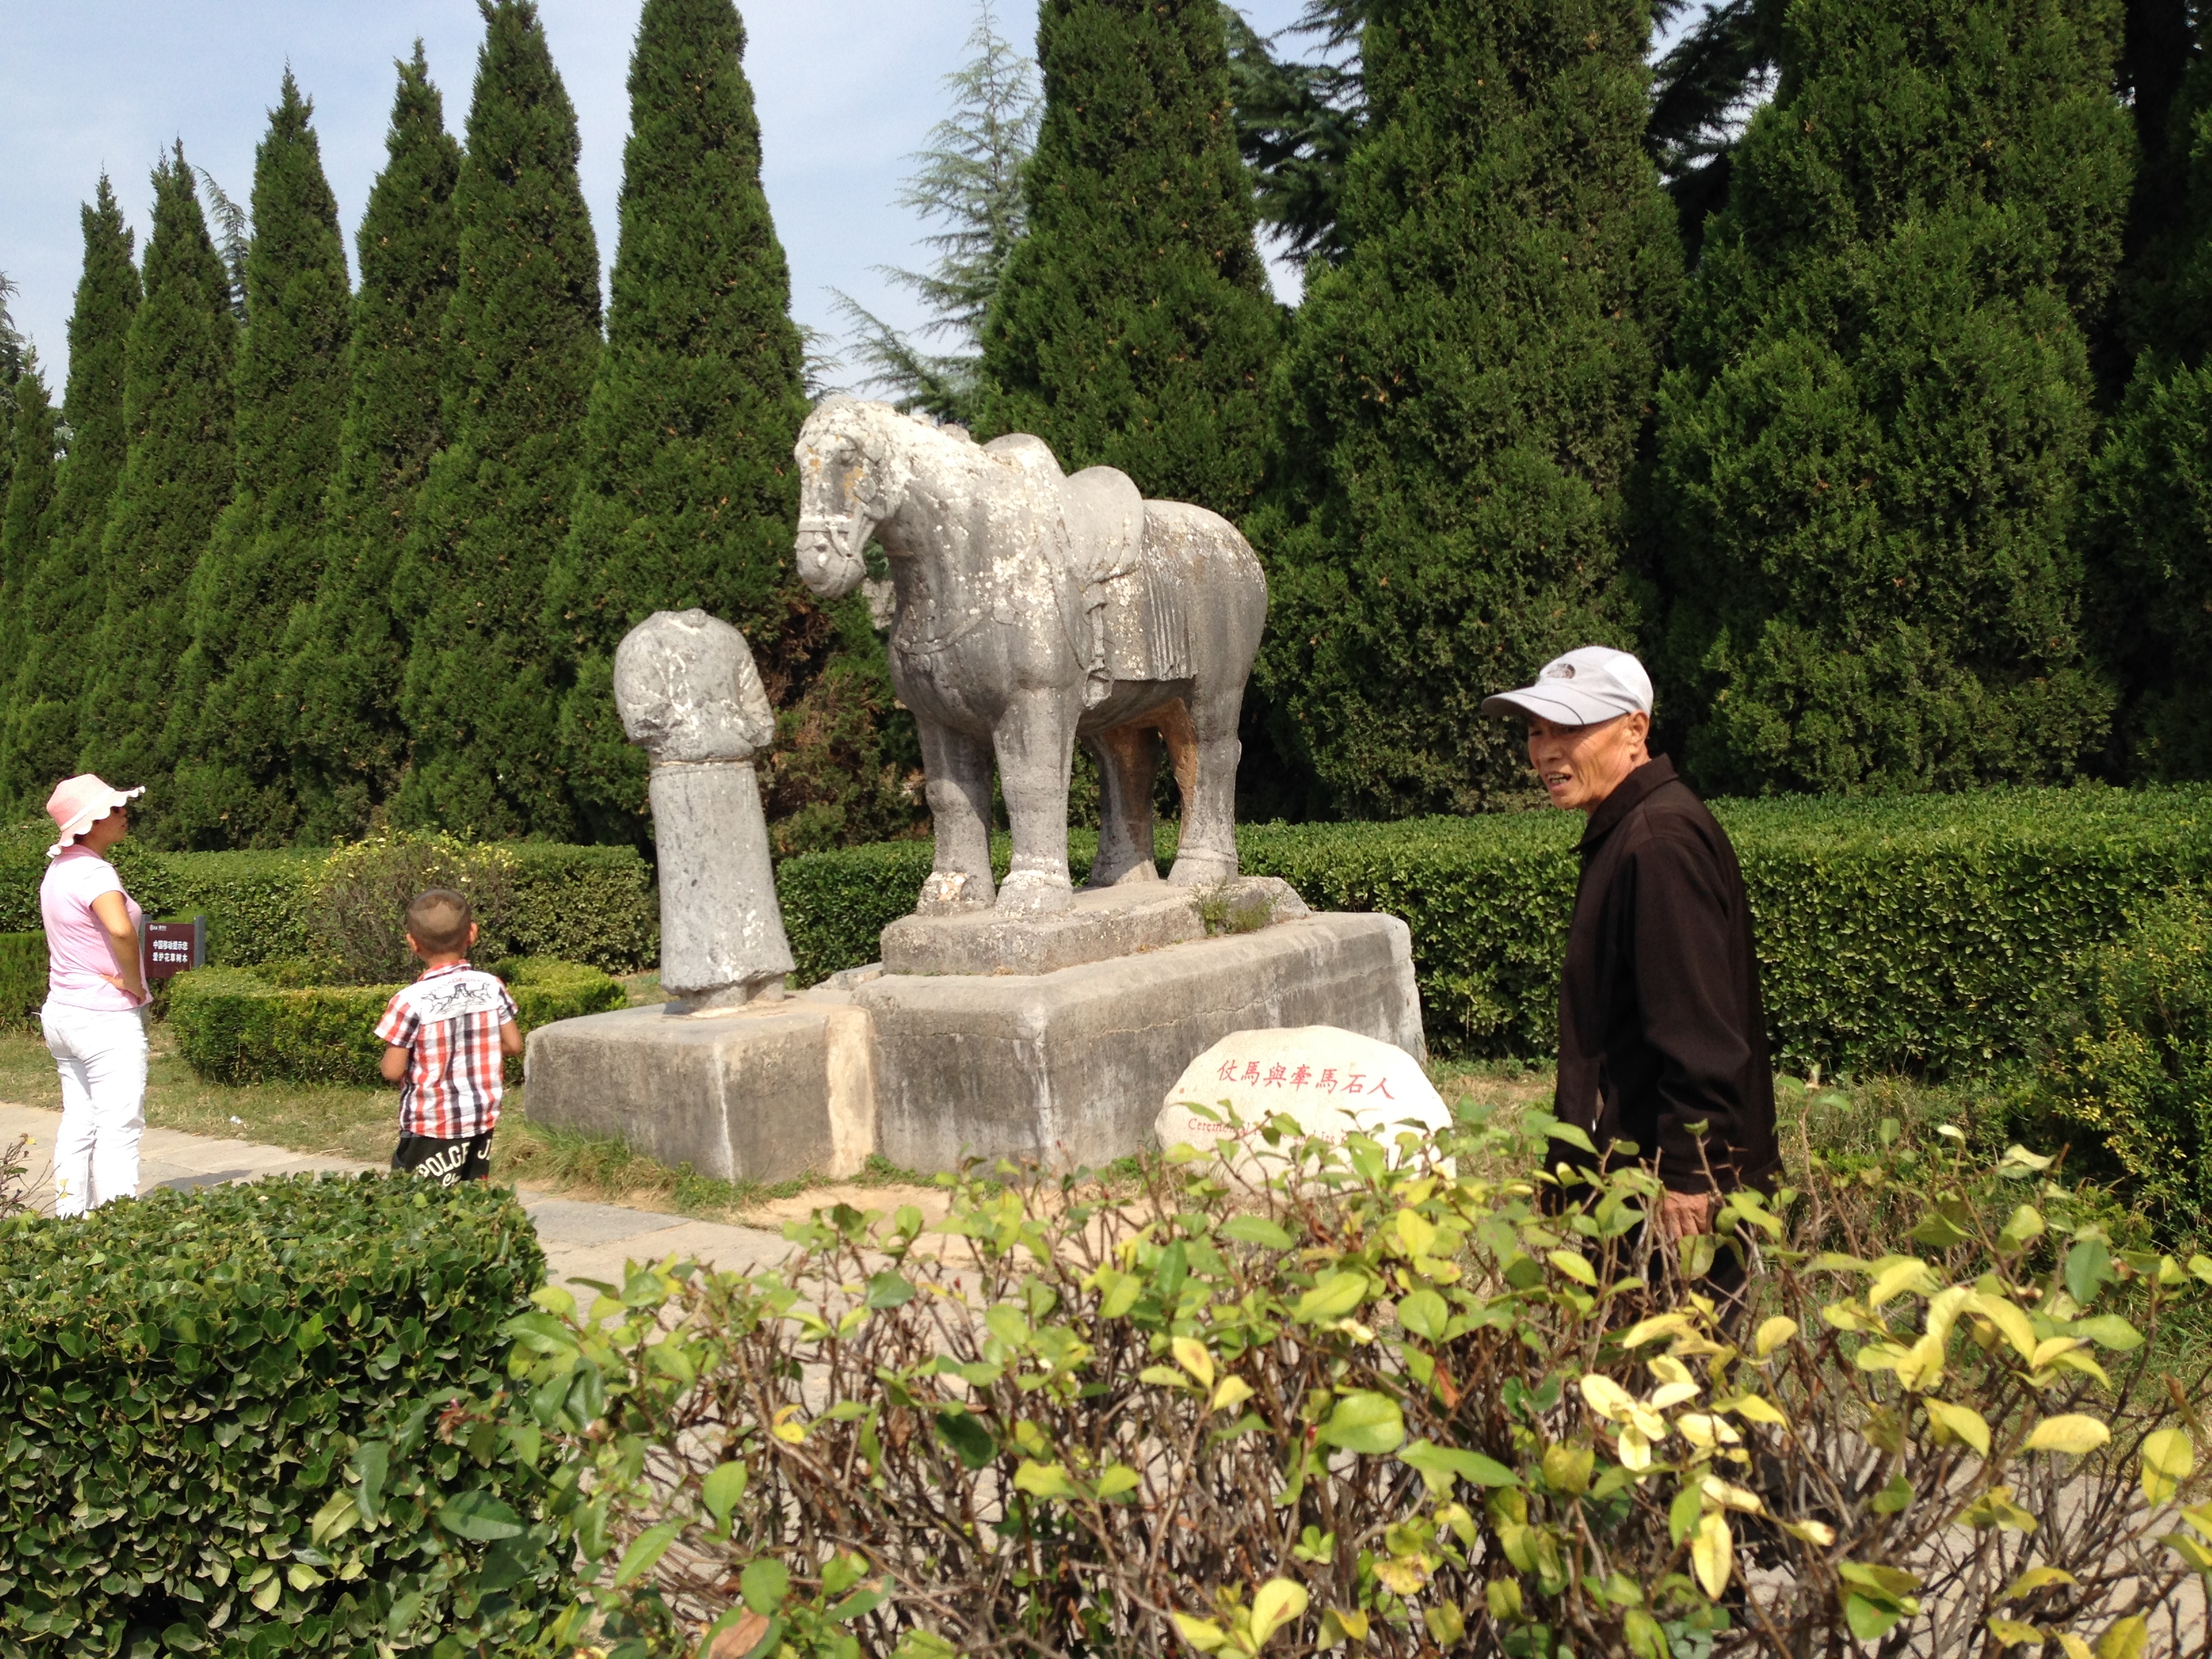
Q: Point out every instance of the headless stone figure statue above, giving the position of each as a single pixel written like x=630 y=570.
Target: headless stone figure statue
x=689 y=695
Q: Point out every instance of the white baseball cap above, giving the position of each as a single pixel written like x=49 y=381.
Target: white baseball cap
x=1594 y=683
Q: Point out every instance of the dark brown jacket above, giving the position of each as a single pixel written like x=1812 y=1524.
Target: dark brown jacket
x=1661 y=1024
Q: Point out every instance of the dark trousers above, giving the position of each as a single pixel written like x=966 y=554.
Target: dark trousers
x=446 y=1161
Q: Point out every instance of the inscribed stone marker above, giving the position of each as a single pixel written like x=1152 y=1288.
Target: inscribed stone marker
x=1333 y=1083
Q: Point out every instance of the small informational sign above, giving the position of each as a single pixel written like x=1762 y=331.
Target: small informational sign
x=1333 y=1083
x=173 y=946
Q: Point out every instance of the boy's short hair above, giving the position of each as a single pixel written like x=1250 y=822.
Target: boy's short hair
x=438 y=919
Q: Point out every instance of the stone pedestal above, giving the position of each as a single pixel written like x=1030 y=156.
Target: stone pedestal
x=761 y=1093
x=1069 y=1068
x=1101 y=924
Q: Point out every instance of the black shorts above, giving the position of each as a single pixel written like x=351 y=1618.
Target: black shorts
x=446 y=1161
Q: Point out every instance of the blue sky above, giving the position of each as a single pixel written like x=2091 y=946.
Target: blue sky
x=847 y=91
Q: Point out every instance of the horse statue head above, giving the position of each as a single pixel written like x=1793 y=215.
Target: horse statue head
x=853 y=473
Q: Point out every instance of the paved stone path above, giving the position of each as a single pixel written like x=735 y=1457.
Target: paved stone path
x=581 y=1240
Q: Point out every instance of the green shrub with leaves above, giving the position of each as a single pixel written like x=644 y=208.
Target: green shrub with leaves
x=1344 y=1395
x=22 y=978
x=190 y=1377
x=1910 y=933
x=357 y=901
x=243 y=1026
x=2130 y=1066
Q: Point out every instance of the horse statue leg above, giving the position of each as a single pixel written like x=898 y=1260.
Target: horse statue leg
x=1035 y=742
x=958 y=770
x=1127 y=757
x=1205 y=749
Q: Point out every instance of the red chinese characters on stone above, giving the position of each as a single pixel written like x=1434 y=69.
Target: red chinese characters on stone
x=1277 y=1074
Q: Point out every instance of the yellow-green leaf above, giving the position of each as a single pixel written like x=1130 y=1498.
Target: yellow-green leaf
x=1190 y=1353
x=1333 y=1297
x=2033 y=1579
x=1234 y=1391
x=1365 y=1422
x=1652 y=1329
x=2070 y=1432
x=1712 y=1554
x=1574 y=1265
x=2168 y=1458
x=1772 y=1334
x=1964 y=1421
x=2010 y=1632
x=1278 y=1601
x=645 y=1551
x=1202 y=1634
x=1900 y=1274
x=1605 y=1396
x=2126 y=1639
x=1043 y=1480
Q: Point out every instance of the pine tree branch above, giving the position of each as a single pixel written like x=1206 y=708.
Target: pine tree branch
x=236 y=237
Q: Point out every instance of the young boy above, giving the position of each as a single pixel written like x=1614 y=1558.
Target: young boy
x=446 y=1036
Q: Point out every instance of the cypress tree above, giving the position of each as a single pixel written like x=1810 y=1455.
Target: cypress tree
x=15 y=353
x=1132 y=325
x=688 y=495
x=1460 y=406
x=345 y=651
x=2151 y=499
x=522 y=334
x=178 y=410
x=64 y=593
x=1870 y=455
x=27 y=525
x=229 y=732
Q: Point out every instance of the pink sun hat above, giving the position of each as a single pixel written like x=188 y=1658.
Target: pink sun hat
x=80 y=802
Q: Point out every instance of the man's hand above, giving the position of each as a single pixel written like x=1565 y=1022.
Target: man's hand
x=1681 y=1214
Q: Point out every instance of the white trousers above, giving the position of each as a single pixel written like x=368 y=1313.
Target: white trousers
x=102 y=1055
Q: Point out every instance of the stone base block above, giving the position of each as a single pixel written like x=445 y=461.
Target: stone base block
x=1070 y=1067
x=761 y=1093
x=1103 y=923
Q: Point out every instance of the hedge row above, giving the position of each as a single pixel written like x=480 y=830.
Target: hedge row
x=22 y=978
x=185 y=1382
x=594 y=904
x=1912 y=933
x=233 y=1026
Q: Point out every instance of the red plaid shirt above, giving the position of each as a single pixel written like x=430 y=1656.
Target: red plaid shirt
x=450 y=1018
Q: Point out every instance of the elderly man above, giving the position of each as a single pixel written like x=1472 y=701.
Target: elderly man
x=1662 y=1039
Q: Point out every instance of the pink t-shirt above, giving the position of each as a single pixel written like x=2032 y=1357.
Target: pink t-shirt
x=77 y=951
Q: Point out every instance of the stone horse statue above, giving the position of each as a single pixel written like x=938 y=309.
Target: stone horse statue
x=1035 y=609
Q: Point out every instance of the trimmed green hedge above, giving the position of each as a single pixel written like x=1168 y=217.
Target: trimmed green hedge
x=1907 y=932
x=593 y=904
x=22 y=978
x=185 y=1382
x=233 y=1026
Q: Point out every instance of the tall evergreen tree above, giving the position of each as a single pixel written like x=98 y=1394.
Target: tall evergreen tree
x=1132 y=327
x=229 y=732
x=178 y=410
x=522 y=334
x=689 y=492
x=1460 y=403
x=345 y=651
x=14 y=350
x=26 y=521
x=2151 y=500
x=63 y=595
x=970 y=183
x=1869 y=456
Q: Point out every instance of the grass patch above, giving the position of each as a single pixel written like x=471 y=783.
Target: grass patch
x=589 y=1166
x=333 y=1120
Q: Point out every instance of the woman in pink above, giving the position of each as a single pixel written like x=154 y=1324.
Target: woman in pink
x=94 y=1018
